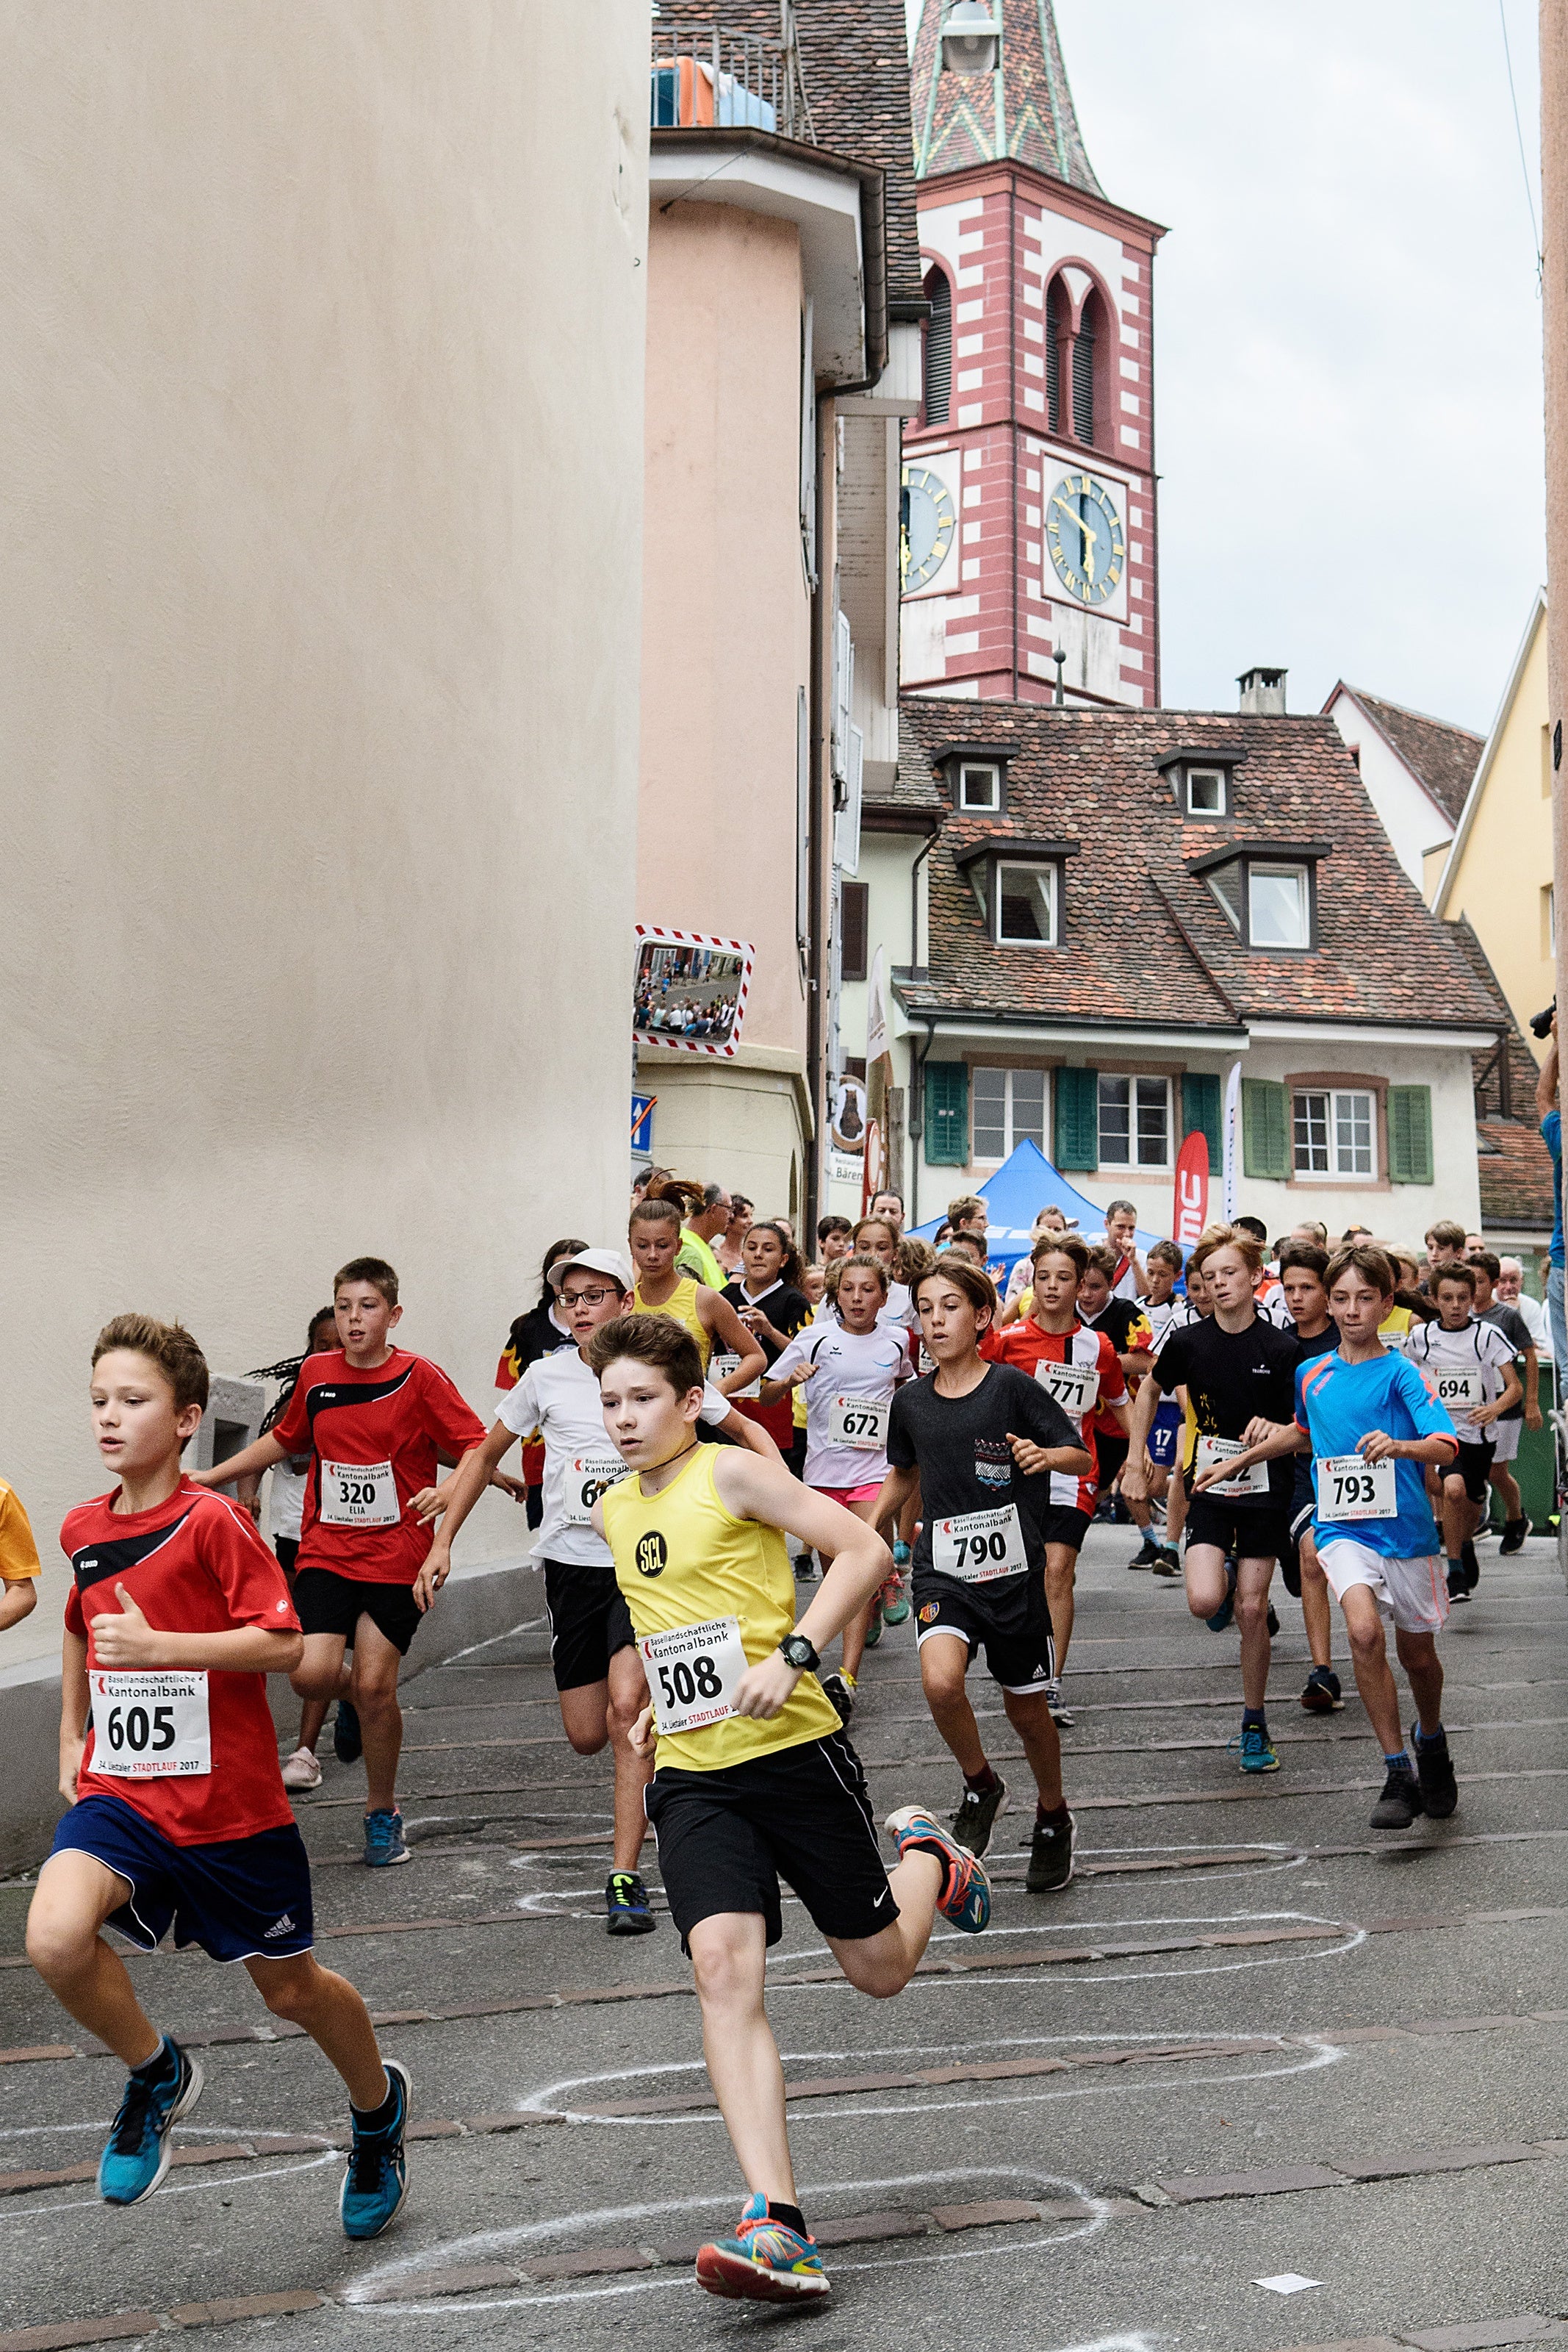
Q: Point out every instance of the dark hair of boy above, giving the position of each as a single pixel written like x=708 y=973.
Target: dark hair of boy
x=967 y=1206
x=168 y=1345
x=1457 y=1272
x=656 y=1341
x=1167 y=1254
x=1306 y=1255
x=1375 y=1265
x=973 y=1280
x=1487 y=1261
x=1253 y=1225
x=374 y=1270
x=1061 y=1245
x=1106 y=1258
x=826 y=1225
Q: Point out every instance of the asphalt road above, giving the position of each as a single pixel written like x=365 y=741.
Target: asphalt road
x=1393 y=2127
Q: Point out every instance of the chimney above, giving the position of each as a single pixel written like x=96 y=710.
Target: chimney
x=1263 y=692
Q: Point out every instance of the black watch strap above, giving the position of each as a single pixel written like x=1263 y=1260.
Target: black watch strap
x=797 y=1650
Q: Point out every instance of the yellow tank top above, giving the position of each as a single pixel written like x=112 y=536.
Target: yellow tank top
x=682 y=1558
x=682 y=1303
x=1395 y=1329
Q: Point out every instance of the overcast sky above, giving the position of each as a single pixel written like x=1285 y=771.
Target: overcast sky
x=1348 y=333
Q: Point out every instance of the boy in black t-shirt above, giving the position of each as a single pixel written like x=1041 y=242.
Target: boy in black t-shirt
x=981 y=1441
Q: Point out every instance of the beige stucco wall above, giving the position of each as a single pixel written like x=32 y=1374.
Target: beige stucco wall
x=321 y=457
x=1506 y=861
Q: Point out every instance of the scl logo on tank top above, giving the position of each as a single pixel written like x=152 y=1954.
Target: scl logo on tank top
x=653 y=1554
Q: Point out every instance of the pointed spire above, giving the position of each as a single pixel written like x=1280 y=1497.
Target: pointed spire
x=1024 y=110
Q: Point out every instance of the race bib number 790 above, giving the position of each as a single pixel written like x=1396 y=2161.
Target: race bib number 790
x=978 y=1546
x=150 y=1726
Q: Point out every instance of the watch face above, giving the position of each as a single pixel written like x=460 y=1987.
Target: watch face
x=1084 y=532
x=930 y=527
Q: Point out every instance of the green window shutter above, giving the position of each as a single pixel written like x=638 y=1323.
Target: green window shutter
x=1265 y=1146
x=1078 y=1120
x=946 y=1114
x=1200 y=1111
x=1410 y=1135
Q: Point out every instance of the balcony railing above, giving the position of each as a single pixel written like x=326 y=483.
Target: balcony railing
x=706 y=74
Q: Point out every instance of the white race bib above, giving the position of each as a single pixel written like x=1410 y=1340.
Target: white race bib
x=859 y=1423
x=691 y=1672
x=150 y=1726
x=1352 y=1488
x=724 y=1362
x=1076 y=1387
x=978 y=1546
x=1462 y=1393
x=589 y=1475
x=1253 y=1480
x=359 y=1494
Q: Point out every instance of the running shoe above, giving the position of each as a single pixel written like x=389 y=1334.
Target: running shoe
x=765 y=2262
x=137 y=2154
x=1148 y=1551
x=348 y=1747
x=384 y=1842
x=894 y=1600
x=1434 y=1770
x=1167 y=1560
x=1458 y=1584
x=1060 y=1714
x=626 y=1902
x=873 y=1630
x=1256 y=1749
x=966 y=1896
x=1322 y=1694
x=301 y=1771
x=376 y=2180
x=840 y=1689
x=1472 y=1565
x=1051 y=1855
x=900 y=1554
x=1514 y=1535
x=1273 y=1621
x=1227 y=1608
x=1401 y=1799
x=806 y=1569
x=974 y=1823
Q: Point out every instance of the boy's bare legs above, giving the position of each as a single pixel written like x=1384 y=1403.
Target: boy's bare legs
x=1316 y=1614
x=1061 y=1569
x=1030 y=1715
x=333 y=2014
x=595 y=1713
x=75 y=1894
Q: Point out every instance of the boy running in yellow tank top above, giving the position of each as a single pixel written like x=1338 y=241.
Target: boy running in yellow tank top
x=755 y=1779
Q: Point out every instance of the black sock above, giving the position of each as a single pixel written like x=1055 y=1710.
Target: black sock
x=378 y=2119
x=1254 y=1715
x=1429 y=1738
x=982 y=1782
x=165 y=2062
x=1052 y=1820
x=791 y=2215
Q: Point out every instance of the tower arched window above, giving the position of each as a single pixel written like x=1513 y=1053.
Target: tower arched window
x=1053 y=331
x=1083 y=363
x=938 y=347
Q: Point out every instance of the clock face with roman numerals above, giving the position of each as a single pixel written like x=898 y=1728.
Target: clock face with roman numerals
x=1084 y=530
x=929 y=525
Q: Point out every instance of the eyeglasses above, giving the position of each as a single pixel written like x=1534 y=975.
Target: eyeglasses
x=587 y=1297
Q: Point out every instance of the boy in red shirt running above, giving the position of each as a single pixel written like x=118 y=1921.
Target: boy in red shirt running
x=178 y=1814
x=375 y=1421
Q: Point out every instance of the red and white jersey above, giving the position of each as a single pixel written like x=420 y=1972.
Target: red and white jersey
x=1093 y=1379
x=372 y=1436
x=194 y=1564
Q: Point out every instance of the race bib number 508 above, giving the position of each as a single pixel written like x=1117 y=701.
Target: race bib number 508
x=691 y=1672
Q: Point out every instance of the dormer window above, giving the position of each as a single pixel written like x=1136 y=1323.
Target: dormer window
x=1201 y=779
x=1205 y=793
x=979 y=787
x=1267 y=891
x=1227 y=886
x=1026 y=904
x=1278 y=906
x=974 y=775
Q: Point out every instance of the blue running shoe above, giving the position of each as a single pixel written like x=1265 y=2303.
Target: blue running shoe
x=1257 y=1749
x=627 y=1906
x=966 y=1896
x=138 y=2152
x=765 y=2262
x=900 y=1554
x=376 y=2181
x=384 y=1842
x=894 y=1600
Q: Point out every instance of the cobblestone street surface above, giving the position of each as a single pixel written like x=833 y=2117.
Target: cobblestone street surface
x=1259 y=2078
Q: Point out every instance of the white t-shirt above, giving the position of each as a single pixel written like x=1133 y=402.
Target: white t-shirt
x=1534 y=1315
x=1479 y=1351
x=286 y=1502
x=854 y=1367
x=1172 y=1314
x=559 y=1396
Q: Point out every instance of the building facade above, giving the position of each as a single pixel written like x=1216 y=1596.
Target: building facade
x=1416 y=770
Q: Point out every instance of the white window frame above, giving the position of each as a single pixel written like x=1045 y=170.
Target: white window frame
x=1012 y=1132
x=1135 y=1081
x=1303 y=877
x=1043 y=872
x=1213 y=775
x=991 y=804
x=1337 y=1171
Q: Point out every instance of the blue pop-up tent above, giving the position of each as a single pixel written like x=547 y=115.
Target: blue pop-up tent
x=1023 y=1185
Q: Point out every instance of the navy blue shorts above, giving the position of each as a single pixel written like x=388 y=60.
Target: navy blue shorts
x=1163 y=1436
x=241 y=1898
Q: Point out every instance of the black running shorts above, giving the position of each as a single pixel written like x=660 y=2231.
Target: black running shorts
x=802 y=1814
x=1110 y=1453
x=1472 y=1463
x=327 y=1603
x=1254 y=1533
x=1063 y=1525
x=589 y=1622
x=1009 y=1619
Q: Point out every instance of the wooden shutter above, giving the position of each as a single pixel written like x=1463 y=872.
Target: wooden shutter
x=854 y=902
x=1083 y=378
x=1200 y=1112
x=946 y=1114
x=1077 y=1119
x=1410 y=1135
x=938 y=347
x=1265 y=1142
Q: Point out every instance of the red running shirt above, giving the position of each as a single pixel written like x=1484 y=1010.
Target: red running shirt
x=385 y=1423
x=194 y=1565
x=1023 y=1343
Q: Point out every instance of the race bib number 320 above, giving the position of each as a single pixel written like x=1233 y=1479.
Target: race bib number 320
x=150 y=1726
x=359 y=1494
x=978 y=1546
x=1352 y=1488
x=691 y=1674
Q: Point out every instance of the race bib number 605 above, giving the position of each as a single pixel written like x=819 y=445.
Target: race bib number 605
x=150 y=1726
x=589 y=1475
x=691 y=1672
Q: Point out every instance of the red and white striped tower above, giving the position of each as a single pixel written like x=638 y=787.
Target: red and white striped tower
x=1030 y=499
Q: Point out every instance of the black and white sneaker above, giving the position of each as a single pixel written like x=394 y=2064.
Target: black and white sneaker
x=348 y=1746
x=1458 y=1584
x=1400 y=1802
x=1435 y=1766
x=1472 y=1565
x=1051 y=1855
x=840 y=1690
x=1322 y=1694
x=1148 y=1551
x=1513 y=1537
x=975 y=1822
x=1060 y=1714
x=1167 y=1560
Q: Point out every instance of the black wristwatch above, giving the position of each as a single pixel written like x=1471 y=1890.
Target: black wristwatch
x=797 y=1652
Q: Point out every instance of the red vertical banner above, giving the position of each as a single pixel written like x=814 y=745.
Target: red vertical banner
x=1191 y=1189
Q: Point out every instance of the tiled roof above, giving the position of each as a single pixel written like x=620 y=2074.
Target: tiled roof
x=853 y=62
x=1144 y=939
x=1512 y=1160
x=957 y=118
x=1443 y=757
x=913 y=789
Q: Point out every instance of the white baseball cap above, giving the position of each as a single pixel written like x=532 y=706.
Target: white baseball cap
x=611 y=1262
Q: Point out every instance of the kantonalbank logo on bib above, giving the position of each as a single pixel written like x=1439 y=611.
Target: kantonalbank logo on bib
x=653 y=1554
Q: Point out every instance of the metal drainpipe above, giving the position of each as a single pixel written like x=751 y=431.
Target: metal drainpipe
x=917 y=1125
x=917 y=1105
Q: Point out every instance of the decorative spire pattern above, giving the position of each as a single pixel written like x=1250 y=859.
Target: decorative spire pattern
x=1024 y=110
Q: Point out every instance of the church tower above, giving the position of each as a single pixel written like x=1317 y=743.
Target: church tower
x=1031 y=541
